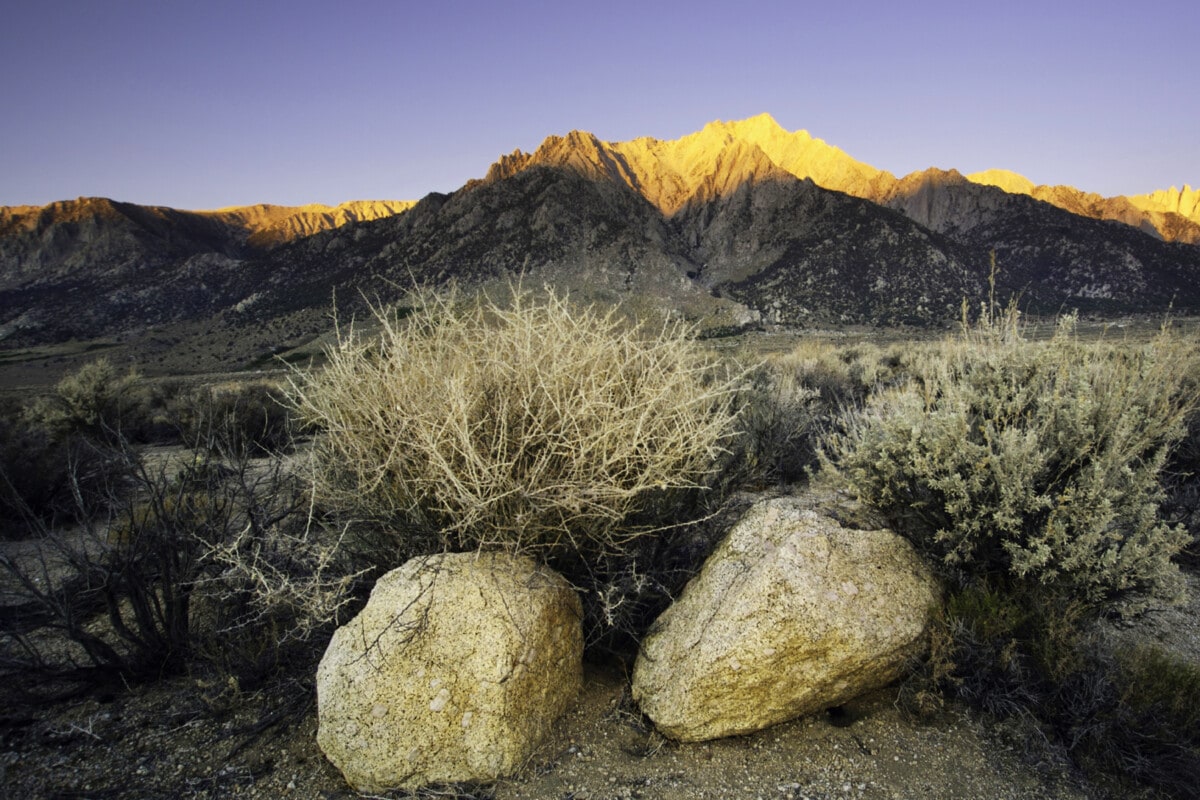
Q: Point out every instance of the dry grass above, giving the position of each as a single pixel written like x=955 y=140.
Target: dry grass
x=535 y=426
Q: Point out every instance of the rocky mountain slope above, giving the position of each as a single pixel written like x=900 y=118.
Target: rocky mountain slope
x=266 y=226
x=1169 y=214
x=793 y=229
x=739 y=223
x=670 y=174
x=89 y=267
x=747 y=241
x=41 y=244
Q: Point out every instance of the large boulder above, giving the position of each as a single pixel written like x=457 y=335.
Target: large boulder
x=790 y=615
x=454 y=671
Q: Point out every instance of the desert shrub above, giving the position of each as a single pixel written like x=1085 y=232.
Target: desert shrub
x=234 y=416
x=211 y=565
x=271 y=584
x=1141 y=726
x=61 y=458
x=1030 y=473
x=1129 y=715
x=1162 y=686
x=791 y=399
x=1182 y=478
x=1036 y=461
x=588 y=440
x=842 y=375
x=154 y=411
x=90 y=402
x=779 y=419
x=33 y=476
x=1001 y=650
x=50 y=481
x=533 y=427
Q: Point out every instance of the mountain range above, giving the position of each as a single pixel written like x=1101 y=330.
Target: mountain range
x=740 y=224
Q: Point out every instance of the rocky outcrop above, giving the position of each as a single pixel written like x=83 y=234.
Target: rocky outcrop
x=1167 y=214
x=1185 y=201
x=454 y=671
x=266 y=226
x=703 y=165
x=790 y=615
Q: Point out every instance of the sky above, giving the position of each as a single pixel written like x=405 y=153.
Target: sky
x=202 y=105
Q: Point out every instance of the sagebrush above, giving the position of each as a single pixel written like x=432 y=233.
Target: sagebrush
x=1039 y=461
x=93 y=401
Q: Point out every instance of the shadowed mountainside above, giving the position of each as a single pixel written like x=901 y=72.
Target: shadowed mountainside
x=1170 y=214
x=738 y=224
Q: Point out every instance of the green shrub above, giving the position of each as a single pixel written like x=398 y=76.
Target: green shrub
x=1128 y=714
x=1036 y=461
x=90 y=402
x=999 y=650
x=1182 y=479
x=533 y=427
x=1162 y=687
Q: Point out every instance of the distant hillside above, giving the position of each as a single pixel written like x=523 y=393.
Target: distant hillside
x=1171 y=215
x=741 y=223
x=93 y=267
x=267 y=226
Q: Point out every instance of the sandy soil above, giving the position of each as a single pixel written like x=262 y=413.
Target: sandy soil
x=176 y=739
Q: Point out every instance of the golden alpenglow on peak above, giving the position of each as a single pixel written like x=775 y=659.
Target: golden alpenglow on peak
x=716 y=159
x=1186 y=203
x=1004 y=179
x=807 y=157
x=269 y=225
x=724 y=155
x=1171 y=214
x=758 y=128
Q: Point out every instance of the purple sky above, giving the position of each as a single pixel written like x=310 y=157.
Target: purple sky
x=208 y=104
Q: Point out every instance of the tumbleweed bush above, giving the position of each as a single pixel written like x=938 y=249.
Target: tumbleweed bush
x=535 y=426
x=1039 y=461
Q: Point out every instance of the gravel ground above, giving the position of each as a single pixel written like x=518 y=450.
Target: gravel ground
x=184 y=738
x=165 y=741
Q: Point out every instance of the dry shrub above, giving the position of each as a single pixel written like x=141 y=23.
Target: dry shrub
x=536 y=426
x=1040 y=461
x=213 y=565
x=840 y=374
x=792 y=398
x=238 y=416
x=61 y=456
x=779 y=418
